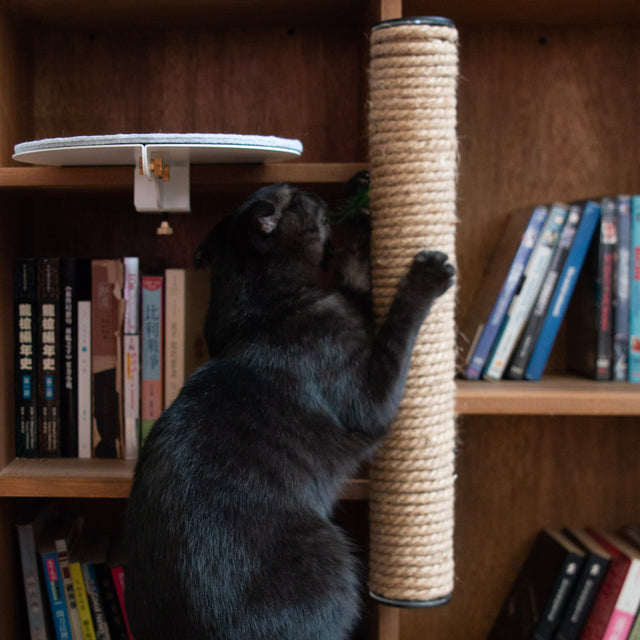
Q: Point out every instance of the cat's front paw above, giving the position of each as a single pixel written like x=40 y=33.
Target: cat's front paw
x=432 y=272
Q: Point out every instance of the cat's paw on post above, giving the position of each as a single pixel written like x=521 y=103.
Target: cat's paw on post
x=432 y=272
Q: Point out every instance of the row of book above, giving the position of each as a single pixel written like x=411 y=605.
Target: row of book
x=576 y=584
x=586 y=252
x=73 y=583
x=100 y=350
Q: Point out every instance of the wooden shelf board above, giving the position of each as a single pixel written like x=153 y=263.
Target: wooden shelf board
x=202 y=176
x=540 y=12
x=76 y=478
x=553 y=395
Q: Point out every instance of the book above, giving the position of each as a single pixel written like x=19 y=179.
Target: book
x=106 y=357
x=186 y=302
x=69 y=358
x=621 y=289
x=540 y=591
x=619 y=597
x=92 y=551
x=62 y=543
x=590 y=315
x=634 y=297
x=25 y=365
x=631 y=532
x=29 y=527
x=64 y=529
x=525 y=298
x=84 y=367
x=562 y=295
x=593 y=571
x=498 y=285
x=131 y=356
x=152 y=352
x=48 y=356
x=110 y=602
x=524 y=348
x=115 y=560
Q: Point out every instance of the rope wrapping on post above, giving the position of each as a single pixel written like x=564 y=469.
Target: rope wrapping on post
x=413 y=165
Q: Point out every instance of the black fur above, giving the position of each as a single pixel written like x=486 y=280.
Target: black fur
x=228 y=530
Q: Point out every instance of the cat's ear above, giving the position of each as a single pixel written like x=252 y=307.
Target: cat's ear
x=264 y=216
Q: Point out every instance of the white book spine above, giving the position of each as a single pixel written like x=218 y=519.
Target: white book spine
x=84 y=379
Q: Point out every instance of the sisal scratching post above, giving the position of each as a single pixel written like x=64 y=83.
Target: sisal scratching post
x=413 y=158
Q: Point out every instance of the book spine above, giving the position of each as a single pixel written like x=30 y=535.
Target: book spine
x=525 y=298
x=117 y=573
x=95 y=602
x=582 y=600
x=621 y=285
x=69 y=357
x=55 y=590
x=626 y=605
x=510 y=286
x=117 y=629
x=152 y=351
x=534 y=323
x=563 y=291
x=31 y=580
x=550 y=617
x=83 y=366
x=70 y=596
x=131 y=355
x=82 y=602
x=25 y=323
x=634 y=302
x=49 y=361
x=106 y=357
x=608 y=242
x=174 y=333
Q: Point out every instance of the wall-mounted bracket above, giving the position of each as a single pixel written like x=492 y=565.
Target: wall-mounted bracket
x=161 y=180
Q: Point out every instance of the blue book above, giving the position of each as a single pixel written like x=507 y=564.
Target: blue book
x=486 y=334
x=525 y=298
x=634 y=301
x=564 y=288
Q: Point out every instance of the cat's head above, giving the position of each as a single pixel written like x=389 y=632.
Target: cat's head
x=264 y=252
x=279 y=226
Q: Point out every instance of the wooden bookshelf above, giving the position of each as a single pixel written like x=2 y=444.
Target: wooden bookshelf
x=547 y=110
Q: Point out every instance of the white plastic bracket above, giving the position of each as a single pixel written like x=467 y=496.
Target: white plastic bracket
x=161 y=179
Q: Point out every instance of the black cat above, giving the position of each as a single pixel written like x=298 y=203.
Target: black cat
x=228 y=530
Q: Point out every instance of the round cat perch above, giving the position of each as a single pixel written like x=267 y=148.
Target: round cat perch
x=413 y=159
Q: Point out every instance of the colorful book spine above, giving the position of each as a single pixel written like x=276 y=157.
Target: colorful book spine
x=95 y=601
x=482 y=348
x=70 y=594
x=563 y=291
x=131 y=355
x=634 y=301
x=106 y=357
x=604 y=320
x=25 y=325
x=69 y=358
x=85 y=400
x=621 y=288
x=117 y=573
x=55 y=590
x=525 y=299
x=533 y=325
x=152 y=352
x=82 y=602
x=619 y=597
x=48 y=357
